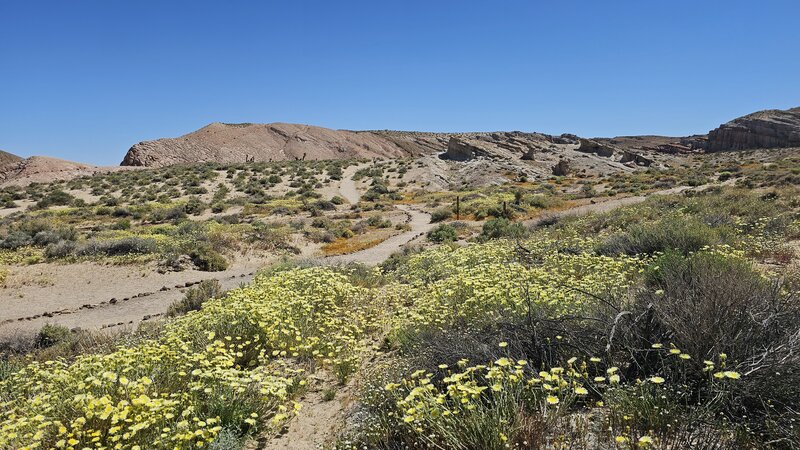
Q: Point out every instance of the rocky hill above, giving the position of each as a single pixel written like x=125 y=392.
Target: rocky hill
x=7 y=158
x=771 y=128
x=228 y=143
x=43 y=169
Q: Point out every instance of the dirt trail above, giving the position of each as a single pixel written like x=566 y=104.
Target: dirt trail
x=89 y=295
x=348 y=186
x=320 y=418
x=610 y=205
x=420 y=224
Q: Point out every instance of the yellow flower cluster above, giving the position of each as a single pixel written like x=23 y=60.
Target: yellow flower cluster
x=230 y=358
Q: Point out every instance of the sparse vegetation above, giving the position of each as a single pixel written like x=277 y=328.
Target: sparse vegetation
x=668 y=324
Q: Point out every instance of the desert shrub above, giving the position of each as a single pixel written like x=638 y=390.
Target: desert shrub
x=50 y=335
x=125 y=246
x=122 y=224
x=441 y=214
x=44 y=238
x=379 y=222
x=55 y=198
x=325 y=205
x=194 y=206
x=443 y=233
x=61 y=249
x=15 y=240
x=173 y=214
x=207 y=259
x=718 y=308
x=685 y=235
x=502 y=228
x=336 y=200
x=195 y=297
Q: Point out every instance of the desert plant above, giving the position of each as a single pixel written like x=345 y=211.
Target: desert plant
x=502 y=228
x=195 y=297
x=50 y=335
x=443 y=233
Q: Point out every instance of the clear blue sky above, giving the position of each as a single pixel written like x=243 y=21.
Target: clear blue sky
x=86 y=79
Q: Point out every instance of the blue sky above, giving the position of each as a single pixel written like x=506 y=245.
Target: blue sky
x=86 y=79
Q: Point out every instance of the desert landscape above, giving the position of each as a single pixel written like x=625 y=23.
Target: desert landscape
x=440 y=252
x=412 y=225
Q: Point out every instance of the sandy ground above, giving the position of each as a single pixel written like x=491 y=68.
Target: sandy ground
x=92 y=295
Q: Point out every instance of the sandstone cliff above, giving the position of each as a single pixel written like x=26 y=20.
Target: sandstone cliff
x=764 y=129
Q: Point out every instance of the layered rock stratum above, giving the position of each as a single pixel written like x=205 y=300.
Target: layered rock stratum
x=772 y=128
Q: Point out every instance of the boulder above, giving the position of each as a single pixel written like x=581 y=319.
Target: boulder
x=635 y=158
x=592 y=146
x=561 y=168
x=530 y=155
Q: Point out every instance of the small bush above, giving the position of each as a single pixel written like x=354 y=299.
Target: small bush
x=125 y=246
x=683 y=235
x=195 y=297
x=55 y=198
x=15 y=240
x=61 y=249
x=441 y=214
x=51 y=335
x=207 y=259
x=443 y=233
x=502 y=228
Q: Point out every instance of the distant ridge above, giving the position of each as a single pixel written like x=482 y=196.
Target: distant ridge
x=231 y=143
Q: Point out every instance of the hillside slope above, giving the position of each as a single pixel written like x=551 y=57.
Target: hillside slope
x=44 y=169
x=230 y=143
x=8 y=158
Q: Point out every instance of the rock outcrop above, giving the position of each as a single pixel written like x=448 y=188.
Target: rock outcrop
x=764 y=129
x=561 y=168
x=530 y=155
x=592 y=146
x=461 y=150
x=635 y=158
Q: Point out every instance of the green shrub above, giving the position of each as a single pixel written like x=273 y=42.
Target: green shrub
x=443 y=233
x=50 y=335
x=682 y=234
x=124 y=246
x=502 y=228
x=55 y=198
x=441 y=214
x=195 y=297
x=207 y=259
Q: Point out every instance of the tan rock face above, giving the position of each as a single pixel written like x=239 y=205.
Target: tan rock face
x=231 y=143
x=43 y=169
x=599 y=149
x=8 y=158
x=763 y=129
